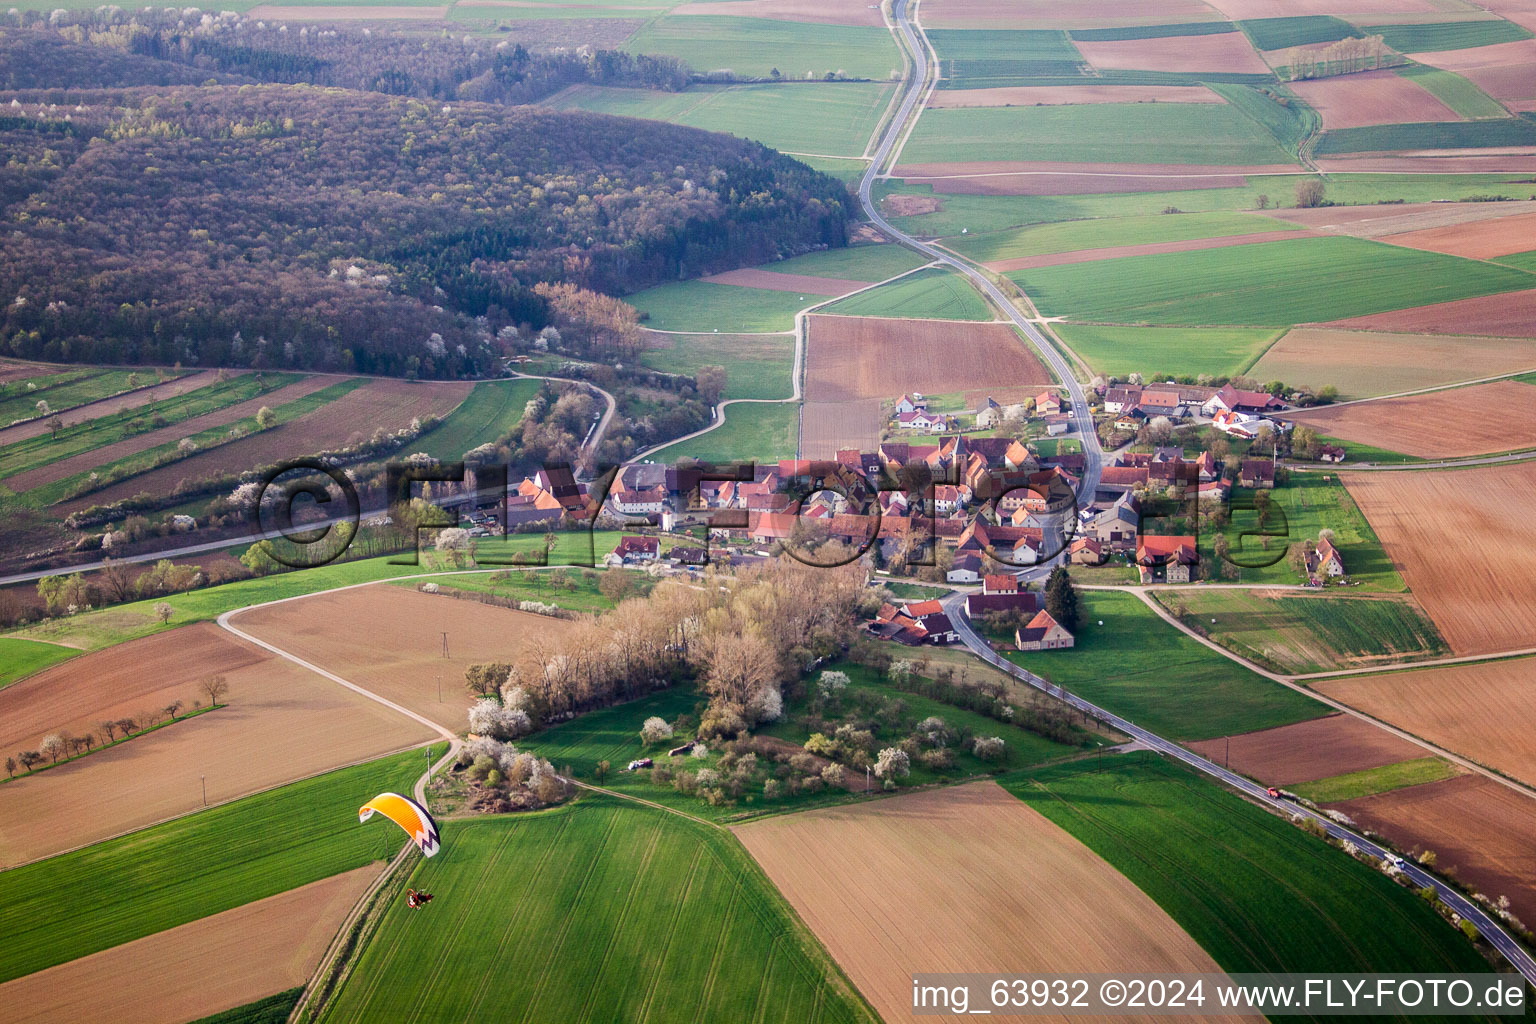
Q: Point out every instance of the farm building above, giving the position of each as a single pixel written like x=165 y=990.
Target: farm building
x=1324 y=560
x=1000 y=583
x=1042 y=633
x=1231 y=399
x=1256 y=473
x=988 y=414
x=1177 y=555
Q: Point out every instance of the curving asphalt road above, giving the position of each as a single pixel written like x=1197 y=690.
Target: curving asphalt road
x=1082 y=421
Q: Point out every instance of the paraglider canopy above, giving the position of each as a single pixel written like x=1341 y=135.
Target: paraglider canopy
x=409 y=815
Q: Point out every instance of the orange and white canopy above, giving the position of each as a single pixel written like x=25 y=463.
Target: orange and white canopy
x=409 y=815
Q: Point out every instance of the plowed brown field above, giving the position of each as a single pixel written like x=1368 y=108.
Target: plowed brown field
x=389 y=640
x=825 y=12
x=1522 y=161
x=1482 y=240
x=1461 y=540
x=827 y=426
x=967 y=879
x=1390 y=219
x=1510 y=315
x=1485 y=711
x=259 y=950
x=1059 y=95
x=976 y=14
x=1307 y=751
x=86 y=461
x=1441 y=424
x=1503 y=70
x=281 y=723
x=1239 y=10
x=1484 y=831
x=1050 y=184
x=390 y=404
x=1226 y=52
x=1057 y=259
x=850 y=357
x=1372 y=97
x=1361 y=365
x=805 y=284
x=101 y=407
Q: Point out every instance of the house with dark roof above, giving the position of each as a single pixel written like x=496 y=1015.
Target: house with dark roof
x=1121 y=398
x=1256 y=473
x=985 y=604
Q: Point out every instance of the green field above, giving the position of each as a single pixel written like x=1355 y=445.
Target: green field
x=753 y=47
x=1484 y=134
x=1255 y=892
x=847 y=171
x=138 y=415
x=1449 y=35
x=1296 y=634
x=756 y=365
x=935 y=294
x=1076 y=235
x=113 y=892
x=271 y=1010
x=1522 y=260
x=1160 y=351
x=490 y=412
x=828 y=119
x=1284 y=33
x=1143 y=669
x=1283 y=115
x=20 y=658
x=1143 y=133
x=67 y=389
x=973 y=59
x=869 y=263
x=1354 y=785
x=579 y=592
x=1195 y=28
x=149 y=458
x=761 y=432
x=1271 y=284
x=1310 y=502
x=1454 y=91
x=991 y=213
x=603 y=910
x=703 y=306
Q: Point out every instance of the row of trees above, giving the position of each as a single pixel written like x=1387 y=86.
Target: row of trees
x=1344 y=57
x=63 y=745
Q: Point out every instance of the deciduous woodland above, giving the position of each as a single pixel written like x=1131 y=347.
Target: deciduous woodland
x=290 y=226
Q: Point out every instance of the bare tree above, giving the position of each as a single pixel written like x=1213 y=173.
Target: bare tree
x=10 y=767
x=215 y=687
x=30 y=759
x=172 y=708
x=126 y=725
x=108 y=730
x=113 y=578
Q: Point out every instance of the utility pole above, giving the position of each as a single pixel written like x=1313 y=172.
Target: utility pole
x=866 y=780
x=204 y=779
x=445 y=643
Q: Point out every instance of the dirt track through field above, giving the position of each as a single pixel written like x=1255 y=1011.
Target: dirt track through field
x=1362 y=364
x=1371 y=97
x=1461 y=540
x=1484 y=711
x=389 y=641
x=965 y=879
x=196 y=969
x=1481 y=830
x=86 y=461
x=1059 y=259
x=280 y=723
x=377 y=404
x=1477 y=420
x=1315 y=749
x=850 y=358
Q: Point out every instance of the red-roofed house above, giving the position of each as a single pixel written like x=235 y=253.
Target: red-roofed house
x=635 y=549
x=1324 y=560
x=1000 y=583
x=1047 y=402
x=1042 y=633
x=1231 y=399
x=1178 y=554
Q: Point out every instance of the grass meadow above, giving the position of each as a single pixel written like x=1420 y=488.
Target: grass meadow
x=600 y=910
x=756 y=365
x=68 y=388
x=1458 y=93
x=20 y=658
x=1101 y=233
x=933 y=294
x=1270 y=284
x=492 y=409
x=761 y=432
x=1143 y=669
x=1284 y=33
x=868 y=263
x=828 y=119
x=702 y=306
x=1299 y=634
x=974 y=59
x=754 y=47
x=160 y=877
x=1484 y=134
x=1142 y=133
x=1158 y=352
x=1256 y=892
x=1449 y=35
x=1354 y=785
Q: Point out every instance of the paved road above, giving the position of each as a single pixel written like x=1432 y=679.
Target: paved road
x=1491 y=930
x=1082 y=421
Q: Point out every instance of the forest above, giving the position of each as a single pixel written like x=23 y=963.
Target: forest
x=365 y=223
